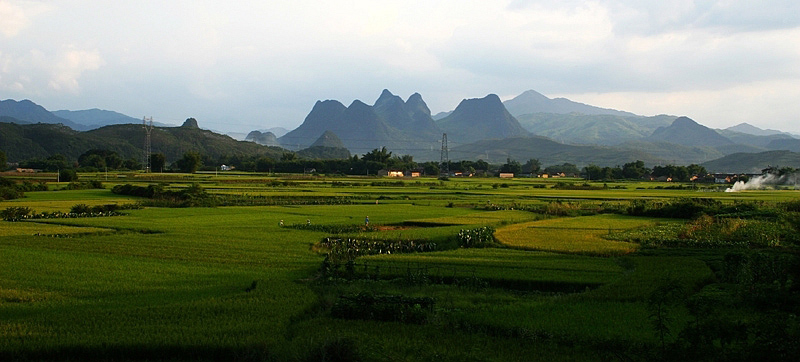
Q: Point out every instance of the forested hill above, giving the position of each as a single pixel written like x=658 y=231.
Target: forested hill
x=26 y=141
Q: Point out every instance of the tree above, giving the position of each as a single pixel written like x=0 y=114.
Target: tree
x=288 y=156
x=190 y=162
x=430 y=168
x=698 y=170
x=133 y=164
x=532 y=166
x=3 y=161
x=593 y=172
x=511 y=166
x=67 y=175
x=264 y=164
x=634 y=170
x=157 y=162
x=377 y=155
x=566 y=168
x=93 y=160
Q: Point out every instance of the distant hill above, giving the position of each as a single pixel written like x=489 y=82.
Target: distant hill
x=753 y=130
x=672 y=153
x=534 y=102
x=411 y=117
x=96 y=118
x=328 y=139
x=790 y=144
x=40 y=140
x=760 y=141
x=266 y=139
x=30 y=112
x=753 y=162
x=600 y=129
x=549 y=152
x=480 y=118
x=685 y=131
x=21 y=142
x=362 y=128
x=327 y=146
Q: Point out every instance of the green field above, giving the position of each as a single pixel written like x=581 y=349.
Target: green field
x=232 y=283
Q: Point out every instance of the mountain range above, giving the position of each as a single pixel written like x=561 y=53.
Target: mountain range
x=530 y=125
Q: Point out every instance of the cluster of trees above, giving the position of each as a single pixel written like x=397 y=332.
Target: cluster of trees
x=637 y=170
x=369 y=163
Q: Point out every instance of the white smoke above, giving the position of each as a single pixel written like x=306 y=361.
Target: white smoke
x=764 y=182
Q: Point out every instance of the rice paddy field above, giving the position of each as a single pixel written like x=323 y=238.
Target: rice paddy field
x=260 y=282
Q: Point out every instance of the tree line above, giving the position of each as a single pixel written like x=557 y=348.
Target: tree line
x=370 y=163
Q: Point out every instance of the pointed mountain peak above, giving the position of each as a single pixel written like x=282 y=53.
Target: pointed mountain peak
x=532 y=94
x=415 y=103
x=481 y=118
x=387 y=99
x=386 y=94
x=328 y=139
x=491 y=100
x=190 y=123
x=357 y=104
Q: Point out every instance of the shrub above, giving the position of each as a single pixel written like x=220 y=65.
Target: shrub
x=476 y=238
x=16 y=213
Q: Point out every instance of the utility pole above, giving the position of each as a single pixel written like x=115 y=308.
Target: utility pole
x=148 y=129
x=445 y=157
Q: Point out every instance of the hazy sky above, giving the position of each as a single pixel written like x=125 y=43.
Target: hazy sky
x=244 y=65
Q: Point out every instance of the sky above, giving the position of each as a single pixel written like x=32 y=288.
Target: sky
x=245 y=65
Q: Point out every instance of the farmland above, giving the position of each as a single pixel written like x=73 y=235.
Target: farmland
x=264 y=267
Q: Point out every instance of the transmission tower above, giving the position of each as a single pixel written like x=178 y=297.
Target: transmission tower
x=445 y=158
x=148 y=129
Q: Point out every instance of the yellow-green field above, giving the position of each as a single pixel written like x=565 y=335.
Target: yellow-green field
x=253 y=282
x=582 y=234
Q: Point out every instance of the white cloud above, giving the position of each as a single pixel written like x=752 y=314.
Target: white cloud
x=272 y=60
x=37 y=73
x=69 y=67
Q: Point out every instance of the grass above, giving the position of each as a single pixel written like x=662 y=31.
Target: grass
x=229 y=283
x=582 y=235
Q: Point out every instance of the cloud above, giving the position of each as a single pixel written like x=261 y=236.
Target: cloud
x=17 y=16
x=35 y=72
x=69 y=67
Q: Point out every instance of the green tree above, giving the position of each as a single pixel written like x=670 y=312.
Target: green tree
x=566 y=168
x=157 y=162
x=67 y=175
x=190 y=162
x=264 y=164
x=288 y=156
x=634 y=170
x=377 y=155
x=532 y=166
x=93 y=160
x=132 y=164
x=593 y=172
x=698 y=170
x=430 y=168
x=511 y=166
x=3 y=161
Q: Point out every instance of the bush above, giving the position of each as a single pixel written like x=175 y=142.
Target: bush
x=16 y=213
x=476 y=238
x=67 y=175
